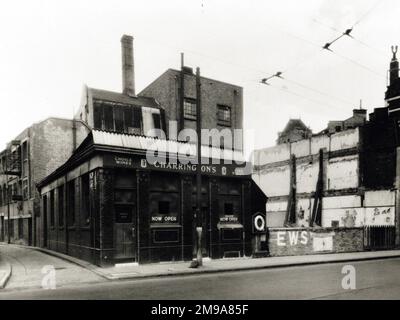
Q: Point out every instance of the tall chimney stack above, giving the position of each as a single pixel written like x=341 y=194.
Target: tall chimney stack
x=128 y=69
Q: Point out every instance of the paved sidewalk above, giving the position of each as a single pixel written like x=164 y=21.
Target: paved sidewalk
x=28 y=268
x=129 y=271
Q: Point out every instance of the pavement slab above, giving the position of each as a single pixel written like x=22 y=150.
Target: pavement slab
x=29 y=267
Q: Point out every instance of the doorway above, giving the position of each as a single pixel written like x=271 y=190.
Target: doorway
x=125 y=233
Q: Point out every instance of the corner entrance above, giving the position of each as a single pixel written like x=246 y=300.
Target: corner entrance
x=125 y=234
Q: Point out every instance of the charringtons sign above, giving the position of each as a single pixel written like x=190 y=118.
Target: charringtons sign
x=141 y=163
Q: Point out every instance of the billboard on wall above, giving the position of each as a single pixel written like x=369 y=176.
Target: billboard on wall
x=379 y=216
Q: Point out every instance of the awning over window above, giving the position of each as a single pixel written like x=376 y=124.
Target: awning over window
x=229 y=226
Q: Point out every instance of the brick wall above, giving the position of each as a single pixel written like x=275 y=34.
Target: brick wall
x=165 y=90
x=303 y=241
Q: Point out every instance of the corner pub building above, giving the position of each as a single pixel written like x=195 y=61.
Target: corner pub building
x=109 y=204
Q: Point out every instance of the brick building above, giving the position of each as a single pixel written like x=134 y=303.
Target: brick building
x=110 y=203
x=32 y=155
x=222 y=103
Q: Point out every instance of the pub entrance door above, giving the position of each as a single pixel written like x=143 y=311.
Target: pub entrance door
x=125 y=233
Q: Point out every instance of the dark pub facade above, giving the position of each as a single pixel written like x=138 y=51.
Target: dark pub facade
x=109 y=204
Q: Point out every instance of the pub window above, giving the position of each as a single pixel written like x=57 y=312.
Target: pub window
x=189 y=109
x=124 y=196
x=71 y=203
x=60 y=193
x=163 y=207
x=231 y=234
x=224 y=115
x=165 y=236
x=85 y=213
x=123 y=213
x=228 y=208
x=52 y=213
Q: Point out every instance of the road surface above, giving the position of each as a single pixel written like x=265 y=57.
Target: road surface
x=377 y=279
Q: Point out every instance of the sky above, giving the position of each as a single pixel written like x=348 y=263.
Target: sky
x=50 y=49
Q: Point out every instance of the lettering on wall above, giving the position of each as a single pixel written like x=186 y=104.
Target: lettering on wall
x=379 y=216
x=292 y=238
x=349 y=220
x=319 y=241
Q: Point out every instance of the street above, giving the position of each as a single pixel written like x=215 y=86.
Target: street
x=377 y=279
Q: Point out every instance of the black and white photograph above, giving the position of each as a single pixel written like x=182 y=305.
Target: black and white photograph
x=201 y=154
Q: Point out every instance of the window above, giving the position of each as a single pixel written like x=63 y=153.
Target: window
x=224 y=115
x=108 y=117
x=20 y=228
x=60 y=193
x=85 y=208
x=165 y=236
x=1 y=196
x=189 y=109
x=25 y=169
x=123 y=214
x=163 y=207
x=157 y=120
x=228 y=208
x=45 y=208
x=119 y=118
x=52 y=213
x=71 y=203
x=25 y=189
x=5 y=196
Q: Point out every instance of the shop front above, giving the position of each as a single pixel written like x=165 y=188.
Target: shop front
x=112 y=207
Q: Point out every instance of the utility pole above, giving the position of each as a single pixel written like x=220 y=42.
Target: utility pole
x=8 y=212
x=182 y=93
x=198 y=217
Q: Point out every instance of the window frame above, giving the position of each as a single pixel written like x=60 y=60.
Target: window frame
x=223 y=120
x=192 y=115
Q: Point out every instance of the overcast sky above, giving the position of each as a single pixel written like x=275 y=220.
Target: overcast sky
x=49 y=49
